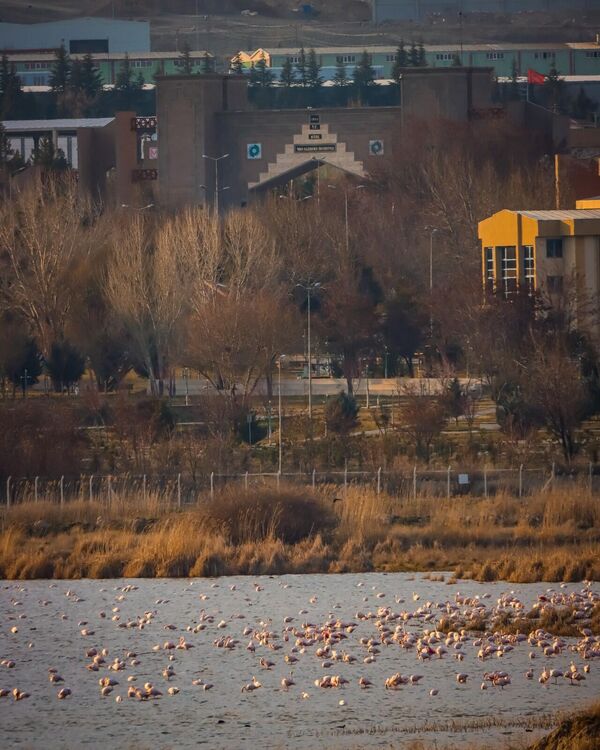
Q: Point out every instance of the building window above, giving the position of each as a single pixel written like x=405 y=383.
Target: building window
x=144 y=63
x=508 y=269
x=555 y=284
x=294 y=59
x=554 y=248
x=592 y=54
x=488 y=267
x=347 y=58
x=545 y=55
x=495 y=55
x=391 y=58
x=444 y=56
x=528 y=267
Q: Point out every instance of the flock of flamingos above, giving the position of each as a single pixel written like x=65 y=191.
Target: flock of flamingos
x=430 y=630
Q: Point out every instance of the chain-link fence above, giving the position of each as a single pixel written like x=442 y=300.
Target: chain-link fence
x=182 y=489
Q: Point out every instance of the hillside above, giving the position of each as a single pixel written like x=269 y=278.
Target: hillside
x=220 y=26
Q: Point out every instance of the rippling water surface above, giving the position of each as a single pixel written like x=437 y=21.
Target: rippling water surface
x=51 y=619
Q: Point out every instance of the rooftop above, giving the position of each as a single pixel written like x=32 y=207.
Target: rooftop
x=34 y=126
x=566 y=215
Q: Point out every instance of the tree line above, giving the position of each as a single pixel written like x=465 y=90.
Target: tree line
x=107 y=290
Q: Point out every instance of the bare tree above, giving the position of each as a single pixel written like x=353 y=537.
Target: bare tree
x=45 y=235
x=148 y=283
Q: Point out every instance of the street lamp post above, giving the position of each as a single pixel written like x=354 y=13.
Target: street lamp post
x=308 y=288
x=346 y=192
x=216 y=160
x=280 y=462
x=433 y=232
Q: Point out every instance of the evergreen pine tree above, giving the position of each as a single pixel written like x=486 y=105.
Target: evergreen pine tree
x=185 y=62
x=400 y=62
x=263 y=74
x=421 y=56
x=10 y=88
x=554 y=88
x=287 y=75
x=6 y=149
x=91 y=77
x=124 y=81
x=301 y=68
x=514 y=83
x=253 y=77
x=456 y=63
x=413 y=55
x=314 y=78
x=47 y=156
x=340 y=77
x=207 y=66
x=363 y=75
x=60 y=73
x=583 y=106
x=237 y=68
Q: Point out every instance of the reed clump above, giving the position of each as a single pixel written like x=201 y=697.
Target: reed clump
x=263 y=530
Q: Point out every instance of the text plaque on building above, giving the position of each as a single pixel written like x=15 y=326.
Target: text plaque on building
x=314 y=119
x=304 y=148
x=314 y=136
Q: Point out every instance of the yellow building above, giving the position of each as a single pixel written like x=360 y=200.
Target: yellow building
x=546 y=251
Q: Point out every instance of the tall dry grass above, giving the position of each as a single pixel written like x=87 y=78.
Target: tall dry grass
x=552 y=536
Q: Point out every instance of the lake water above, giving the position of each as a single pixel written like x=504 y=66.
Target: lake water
x=49 y=617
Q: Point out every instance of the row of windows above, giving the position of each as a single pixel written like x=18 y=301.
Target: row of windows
x=495 y=55
x=37 y=66
x=345 y=58
x=592 y=54
x=508 y=266
x=545 y=55
x=444 y=56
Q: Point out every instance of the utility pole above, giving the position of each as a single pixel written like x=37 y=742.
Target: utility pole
x=308 y=287
x=216 y=160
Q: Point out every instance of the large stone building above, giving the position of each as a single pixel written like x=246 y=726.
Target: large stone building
x=213 y=148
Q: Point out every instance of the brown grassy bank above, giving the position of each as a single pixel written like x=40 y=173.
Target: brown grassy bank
x=552 y=536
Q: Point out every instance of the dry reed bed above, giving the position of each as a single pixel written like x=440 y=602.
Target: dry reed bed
x=553 y=536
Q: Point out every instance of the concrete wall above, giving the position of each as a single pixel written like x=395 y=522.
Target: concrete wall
x=123 y=36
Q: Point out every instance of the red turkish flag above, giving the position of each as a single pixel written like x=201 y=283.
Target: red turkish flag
x=534 y=77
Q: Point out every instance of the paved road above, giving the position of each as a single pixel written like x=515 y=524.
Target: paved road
x=331 y=386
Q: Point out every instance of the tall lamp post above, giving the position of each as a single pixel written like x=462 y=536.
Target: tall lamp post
x=280 y=462
x=431 y=236
x=346 y=192
x=216 y=160
x=308 y=288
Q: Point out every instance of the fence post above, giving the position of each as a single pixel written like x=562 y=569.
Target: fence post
x=62 y=490
x=35 y=489
x=144 y=488
x=278 y=478
x=485 y=489
x=212 y=485
x=591 y=478
x=345 y=477
x=109 y=488
x=179 y=490
x=379 y=481
x=415 y=482
x=91 y=488
x=246 y=481
x=448 y=484
x=314 y=478
x=552 y=474
x=521 y=480
x=8 y=492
